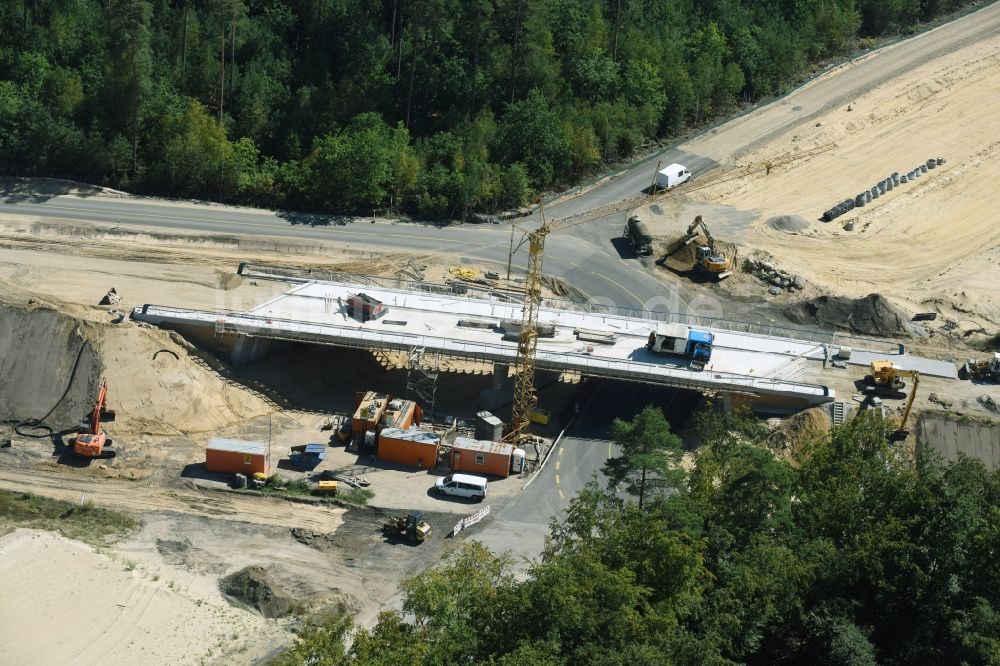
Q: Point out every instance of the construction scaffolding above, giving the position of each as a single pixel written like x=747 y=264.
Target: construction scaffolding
x=422 y=369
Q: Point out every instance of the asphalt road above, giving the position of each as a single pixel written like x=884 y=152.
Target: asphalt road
x=522 y=525
x=588 y=260
x=594 y=270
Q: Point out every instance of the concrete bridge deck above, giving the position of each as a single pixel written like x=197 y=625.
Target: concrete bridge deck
x=742 y=364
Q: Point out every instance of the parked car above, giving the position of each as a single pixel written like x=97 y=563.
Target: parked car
x=462 y=485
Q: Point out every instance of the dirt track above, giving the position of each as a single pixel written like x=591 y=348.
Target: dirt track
x=155 y=494
x=841 y=85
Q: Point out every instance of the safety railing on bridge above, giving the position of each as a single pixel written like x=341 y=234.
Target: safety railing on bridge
x=264 y=326
x=493 y=295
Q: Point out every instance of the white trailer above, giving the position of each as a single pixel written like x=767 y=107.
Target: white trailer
x=672 y=176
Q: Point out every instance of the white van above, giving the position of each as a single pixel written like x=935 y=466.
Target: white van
x=672 y=176
x=462 y=485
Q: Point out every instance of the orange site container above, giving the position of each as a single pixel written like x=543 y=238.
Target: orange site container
x=233 y=456
x=402 y=414
x=481 y=456
x=368 y=414
x=415 y=447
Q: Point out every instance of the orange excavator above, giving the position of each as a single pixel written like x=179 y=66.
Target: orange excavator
x=93 y=442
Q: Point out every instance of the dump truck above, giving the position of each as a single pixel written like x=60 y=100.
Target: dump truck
x=682 y=340
x=638 y=237
x=672 y=176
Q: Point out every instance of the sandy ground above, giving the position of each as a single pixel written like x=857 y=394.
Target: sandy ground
x=65 y=602
x=932 y=245
x=170 y=398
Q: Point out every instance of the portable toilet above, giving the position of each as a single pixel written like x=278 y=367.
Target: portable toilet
x=517 y=461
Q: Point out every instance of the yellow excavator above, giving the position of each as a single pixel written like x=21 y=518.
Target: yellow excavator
x=707 y=257
x=886 y=374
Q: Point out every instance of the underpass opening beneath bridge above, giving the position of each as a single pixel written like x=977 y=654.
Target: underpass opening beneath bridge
x=603 y=400
x=320 y=378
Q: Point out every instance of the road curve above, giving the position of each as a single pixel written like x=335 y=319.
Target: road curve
x=592 y=264
x=837 y=86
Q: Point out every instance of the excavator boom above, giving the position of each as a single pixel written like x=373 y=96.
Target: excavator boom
x=909 y=402
x=99 y=408
x=692 y=233
x=92 y=442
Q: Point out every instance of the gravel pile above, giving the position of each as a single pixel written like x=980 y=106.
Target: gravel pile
x=871 y=315
x=788 y=223
x=254 y=587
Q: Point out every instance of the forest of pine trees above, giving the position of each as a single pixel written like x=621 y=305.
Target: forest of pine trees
x=436 y=108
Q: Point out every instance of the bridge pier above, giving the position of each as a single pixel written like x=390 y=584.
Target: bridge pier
x=502 y=390
x=247 y=350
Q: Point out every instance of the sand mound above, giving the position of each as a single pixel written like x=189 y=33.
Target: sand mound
x=795 y=431
x=42 y=355
x=67 y=603
x=788 y=223
x=814 y=419
x=159 y=386
x=871 y=315
x=254 y=587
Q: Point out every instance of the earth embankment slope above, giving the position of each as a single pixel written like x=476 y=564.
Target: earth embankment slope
x=47 y=363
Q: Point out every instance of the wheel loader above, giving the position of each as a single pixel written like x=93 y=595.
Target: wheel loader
x=412 y=527
x=982 y=369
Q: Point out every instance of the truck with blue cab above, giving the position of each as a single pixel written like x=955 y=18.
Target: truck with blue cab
x=682 y=340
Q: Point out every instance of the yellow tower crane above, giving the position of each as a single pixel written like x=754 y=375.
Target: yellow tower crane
x=525 y=398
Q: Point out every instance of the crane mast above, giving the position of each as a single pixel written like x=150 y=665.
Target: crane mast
x=524 y=379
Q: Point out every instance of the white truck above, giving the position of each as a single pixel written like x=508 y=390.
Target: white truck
x=672 y=176
x=683 y=341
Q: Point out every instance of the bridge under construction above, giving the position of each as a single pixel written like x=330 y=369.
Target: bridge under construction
x=747 y=368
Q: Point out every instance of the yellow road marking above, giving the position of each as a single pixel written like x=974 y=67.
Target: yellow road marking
x=557 y=464
x=561 y=496
x=619 y=285
x=557 y=479
x=561 y=450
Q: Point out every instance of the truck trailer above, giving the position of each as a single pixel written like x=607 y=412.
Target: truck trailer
x=672 y=176
x=682 y=340
x=638 y=237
